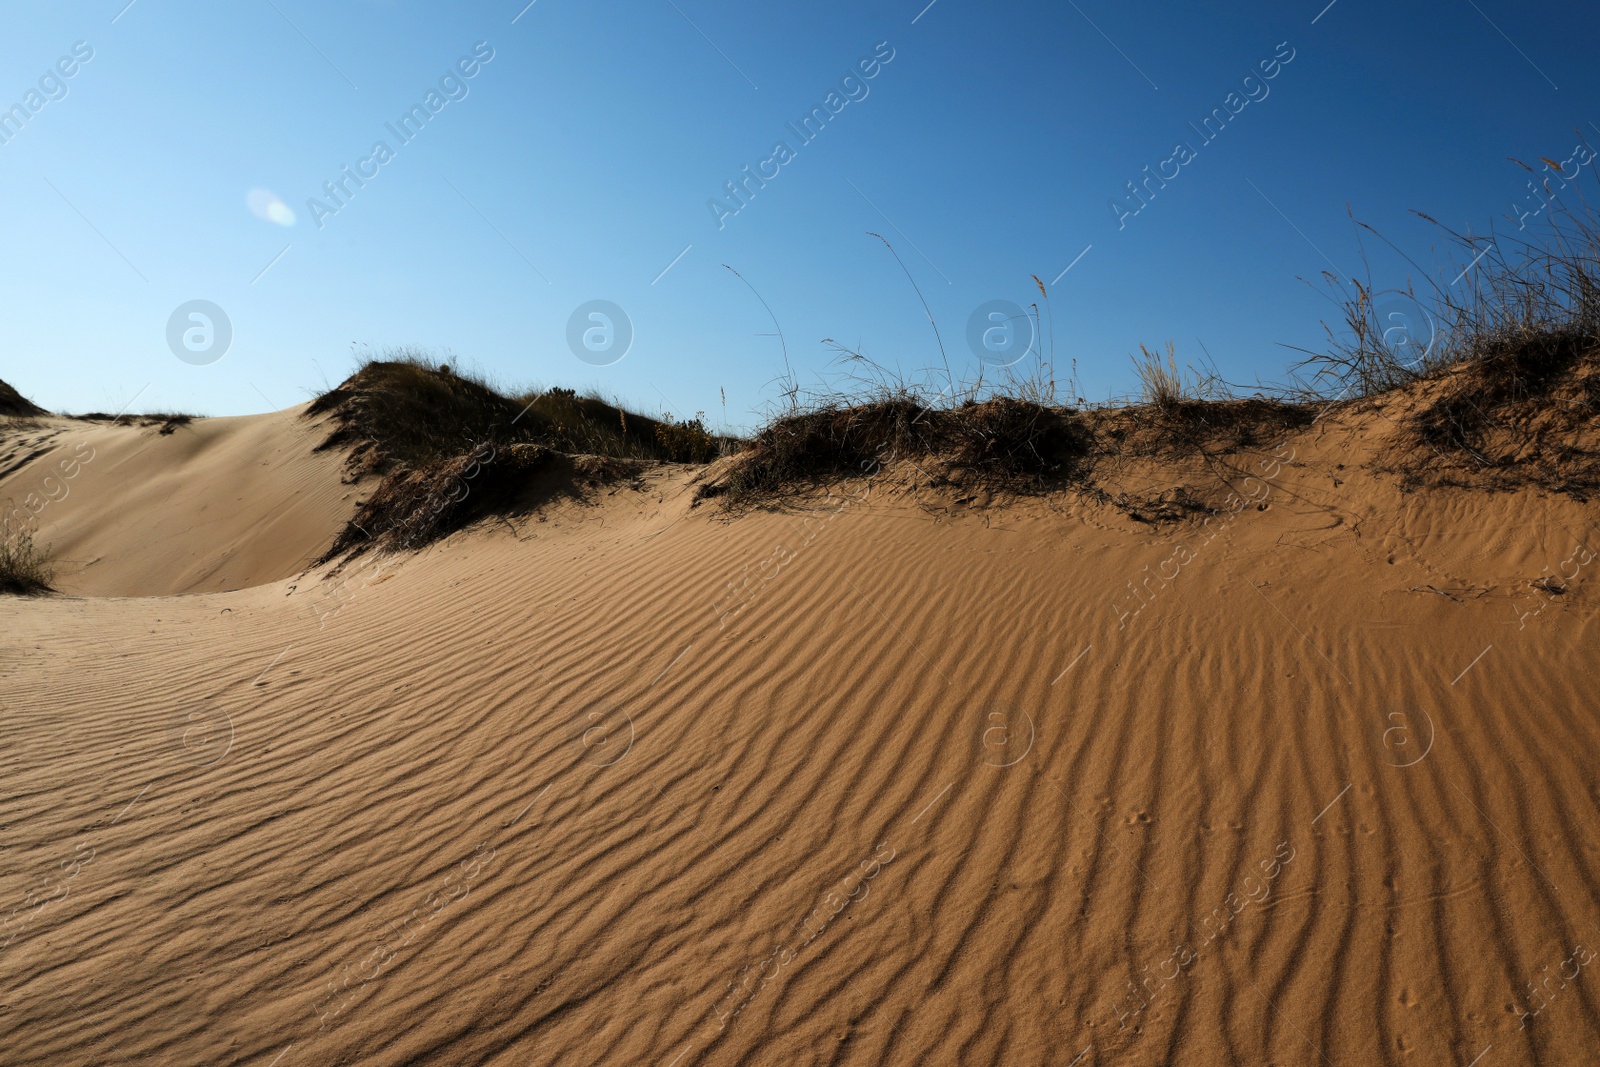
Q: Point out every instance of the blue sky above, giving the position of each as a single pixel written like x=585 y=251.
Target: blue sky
x=580 y=160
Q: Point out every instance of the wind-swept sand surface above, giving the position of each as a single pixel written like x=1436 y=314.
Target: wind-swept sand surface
x=1023 y=783
x=147 y=509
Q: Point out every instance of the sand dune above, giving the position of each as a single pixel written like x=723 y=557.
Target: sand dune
x=138 y=509
x=1031 y=783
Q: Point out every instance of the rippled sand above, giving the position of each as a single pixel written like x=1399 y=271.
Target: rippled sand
x=1031 y=783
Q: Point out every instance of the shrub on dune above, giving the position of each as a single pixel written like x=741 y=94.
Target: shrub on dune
x=25 y=568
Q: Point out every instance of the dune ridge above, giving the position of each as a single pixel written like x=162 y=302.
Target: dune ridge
x=934 y=793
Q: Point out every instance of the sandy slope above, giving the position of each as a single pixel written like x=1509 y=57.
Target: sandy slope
x=216 y=504
x=941 y=789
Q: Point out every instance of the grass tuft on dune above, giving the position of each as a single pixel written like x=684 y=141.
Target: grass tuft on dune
x=25 y=568
x=1006 y=441
x=408 y=411
x=14 y=403
x=451 y=449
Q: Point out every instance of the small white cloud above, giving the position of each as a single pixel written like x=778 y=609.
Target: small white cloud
x=265 y=204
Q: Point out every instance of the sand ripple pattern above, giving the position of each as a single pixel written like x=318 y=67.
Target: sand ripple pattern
x=919 y=800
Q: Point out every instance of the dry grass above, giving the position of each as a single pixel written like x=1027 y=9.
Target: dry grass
x=592 y=426
x=1190 y=427
x=404 y=414
x=168 y=421
x=1526 y=416
x=25 y=568
x=1004 y=430
x=1162 y=384
x=1000 y=442
x=414 y=506
x=1517 y=390
x=1509 y=391
x=409 y=410
x=1003 y=444
x=15 y=404
x=450 y=449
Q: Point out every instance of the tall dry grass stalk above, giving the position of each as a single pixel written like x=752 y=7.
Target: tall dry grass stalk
x=1161 y=383
x=1516 y=304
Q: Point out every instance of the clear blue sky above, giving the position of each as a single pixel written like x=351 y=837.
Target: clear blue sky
x=582 y=157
